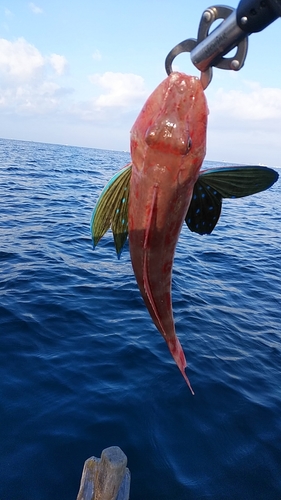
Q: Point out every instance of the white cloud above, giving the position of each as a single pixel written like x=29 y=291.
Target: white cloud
x=26 y=82
x=59 y=63
x=257 y=104
x=123 y=89
x=244 y=125
x=96 y=55
x=35 y=9
x=19 y=60
x=30 y=84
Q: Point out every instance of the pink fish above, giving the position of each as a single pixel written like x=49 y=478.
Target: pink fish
x=163 y=187
x=168 y=144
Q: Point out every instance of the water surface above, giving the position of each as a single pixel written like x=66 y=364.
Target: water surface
x=82 y=367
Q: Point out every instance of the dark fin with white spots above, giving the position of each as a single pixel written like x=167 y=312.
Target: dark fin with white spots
x=226 y=182
x=204 y=210
x=112 y=210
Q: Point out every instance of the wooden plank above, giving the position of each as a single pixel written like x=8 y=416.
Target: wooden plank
x=106 y=478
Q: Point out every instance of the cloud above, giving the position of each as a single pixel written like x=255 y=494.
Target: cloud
x=96 y=55
x=35 y=9
x=245 y=124
x=19 y=60
x=30 y=85
x=59 y=63
x=255 y=104
x=123 y=89
x=114 y=109
x=27 y=78
x=118 y=103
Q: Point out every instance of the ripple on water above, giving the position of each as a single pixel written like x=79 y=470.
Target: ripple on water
x=82 y=367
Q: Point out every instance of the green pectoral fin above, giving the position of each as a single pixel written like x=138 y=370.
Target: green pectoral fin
x=112 y=210
x=235 y=182
x=226 y=182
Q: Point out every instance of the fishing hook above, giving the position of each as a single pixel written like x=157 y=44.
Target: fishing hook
x=209 y=48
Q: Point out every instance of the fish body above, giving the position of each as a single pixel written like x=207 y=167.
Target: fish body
x=150 y=199
x=168 y=144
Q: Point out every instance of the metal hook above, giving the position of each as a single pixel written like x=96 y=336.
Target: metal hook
x=187 y=46
x=209 y=48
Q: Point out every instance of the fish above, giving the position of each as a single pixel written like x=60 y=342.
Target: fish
x=164 y=188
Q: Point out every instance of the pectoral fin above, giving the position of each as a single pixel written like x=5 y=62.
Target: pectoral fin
x=205 y=208
x=226 y=182
x=204 y=211
x=112 y=210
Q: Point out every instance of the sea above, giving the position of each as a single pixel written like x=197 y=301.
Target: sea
x=82 y=366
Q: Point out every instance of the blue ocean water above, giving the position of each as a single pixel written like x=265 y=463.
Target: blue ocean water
x=82 y=367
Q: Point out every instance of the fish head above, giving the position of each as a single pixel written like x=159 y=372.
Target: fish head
x=171 y=128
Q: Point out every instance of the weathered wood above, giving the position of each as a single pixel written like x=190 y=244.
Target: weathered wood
x=106 y=478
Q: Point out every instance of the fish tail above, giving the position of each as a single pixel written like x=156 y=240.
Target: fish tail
x=179 y=357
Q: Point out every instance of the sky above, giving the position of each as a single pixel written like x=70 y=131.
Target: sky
x=78 y=73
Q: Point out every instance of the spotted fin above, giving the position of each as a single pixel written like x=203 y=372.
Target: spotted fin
x=226 y=182
x=112 y=210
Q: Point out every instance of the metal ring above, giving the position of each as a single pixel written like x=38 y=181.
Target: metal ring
x=187 y=46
